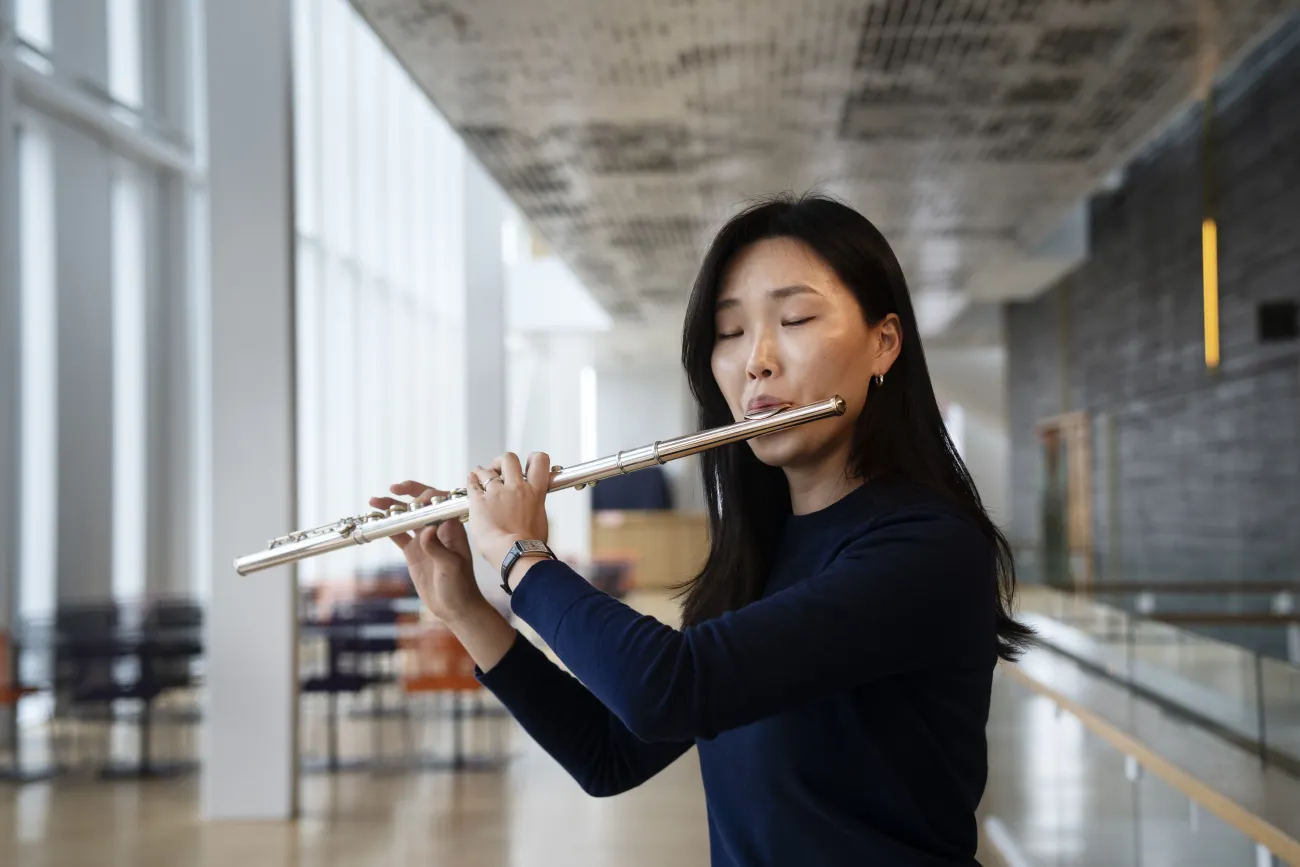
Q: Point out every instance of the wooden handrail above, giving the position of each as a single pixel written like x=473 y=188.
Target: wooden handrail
x=1223 y=618
x=1248 y=823
x=1225 y=588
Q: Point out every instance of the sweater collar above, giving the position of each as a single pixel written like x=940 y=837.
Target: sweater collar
x=846 y=506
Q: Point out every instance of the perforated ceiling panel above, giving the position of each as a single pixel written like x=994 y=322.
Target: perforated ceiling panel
x=965 y=129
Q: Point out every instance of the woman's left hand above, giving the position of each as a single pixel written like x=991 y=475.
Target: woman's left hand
x=505 y=507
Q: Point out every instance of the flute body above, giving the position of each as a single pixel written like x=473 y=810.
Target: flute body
x=400 y=519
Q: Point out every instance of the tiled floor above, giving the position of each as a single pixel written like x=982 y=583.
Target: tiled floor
x=1057 y=794
x=531 y=815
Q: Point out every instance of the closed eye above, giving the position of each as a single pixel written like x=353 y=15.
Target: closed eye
x=800 y=321
x=730 y=334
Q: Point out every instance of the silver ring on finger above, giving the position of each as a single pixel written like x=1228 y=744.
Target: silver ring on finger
x=493 y=479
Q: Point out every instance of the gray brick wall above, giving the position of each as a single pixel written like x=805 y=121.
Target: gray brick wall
x=1207 y=464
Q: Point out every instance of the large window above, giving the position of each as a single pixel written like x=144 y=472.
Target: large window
x=379 y=217
x=32 y=20
x=105 y=122
x=130 y=382
x=39 y=401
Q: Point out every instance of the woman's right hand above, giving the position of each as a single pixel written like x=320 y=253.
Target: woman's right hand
x=438 y=557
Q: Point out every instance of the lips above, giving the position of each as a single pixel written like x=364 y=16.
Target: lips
x=765 y=405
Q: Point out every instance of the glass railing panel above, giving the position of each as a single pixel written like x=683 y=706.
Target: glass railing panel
x=1253 y=699
x=1061 y=794
x=1093 y=634
x=1054 y=796
x=1281 y=707
x=1213 y=679
x=1174 y=830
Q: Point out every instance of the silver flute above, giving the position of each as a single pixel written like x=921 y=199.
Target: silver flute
x=404 y=518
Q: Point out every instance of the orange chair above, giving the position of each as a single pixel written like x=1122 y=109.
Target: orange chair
x=6 y=671
x=326 y=593
x=11 y=693
x=434 y=661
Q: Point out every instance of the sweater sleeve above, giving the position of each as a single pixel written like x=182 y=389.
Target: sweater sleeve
x=914 y=590
x=572 y=726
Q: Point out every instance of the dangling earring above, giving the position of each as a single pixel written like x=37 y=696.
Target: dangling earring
x=880 y=379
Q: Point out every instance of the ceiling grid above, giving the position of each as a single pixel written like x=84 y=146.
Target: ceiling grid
x=965 y=129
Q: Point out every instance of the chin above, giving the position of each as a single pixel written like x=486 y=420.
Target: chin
x=785 y=449
x=803 y=446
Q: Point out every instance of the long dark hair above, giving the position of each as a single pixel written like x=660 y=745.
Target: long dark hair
x=900 y=433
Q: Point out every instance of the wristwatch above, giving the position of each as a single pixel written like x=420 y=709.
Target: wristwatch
x=517 y=550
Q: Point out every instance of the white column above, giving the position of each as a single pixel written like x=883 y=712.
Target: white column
x=84 y=336
x=249 y=753
x=170 y=363
x=80 y=35
x=10 y=335
x=84 y=316
x=167 y=53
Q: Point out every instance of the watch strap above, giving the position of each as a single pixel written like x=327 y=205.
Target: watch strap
x=521 y=548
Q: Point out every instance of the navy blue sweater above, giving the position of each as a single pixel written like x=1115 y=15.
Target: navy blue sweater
x=839 y=719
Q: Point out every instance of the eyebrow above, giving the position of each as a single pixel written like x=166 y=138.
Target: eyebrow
x=776 y=294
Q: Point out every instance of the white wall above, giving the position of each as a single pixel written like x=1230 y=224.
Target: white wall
x=975 y=378
x=544 y=295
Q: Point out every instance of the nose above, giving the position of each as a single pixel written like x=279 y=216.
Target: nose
x=762 y=363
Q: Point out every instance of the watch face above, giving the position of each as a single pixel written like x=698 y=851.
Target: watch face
x=532 y=546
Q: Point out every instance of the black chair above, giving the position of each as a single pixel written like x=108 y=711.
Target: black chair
x=85 y=645
x=648 y=489
x=173 y=639
x=93 y=656
x=351 y=650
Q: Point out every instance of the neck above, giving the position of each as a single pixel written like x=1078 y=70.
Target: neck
x=816 y=486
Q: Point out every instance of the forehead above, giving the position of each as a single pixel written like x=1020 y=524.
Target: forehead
x=773 y=263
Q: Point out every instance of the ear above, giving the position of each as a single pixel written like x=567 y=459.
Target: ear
x=889 y=342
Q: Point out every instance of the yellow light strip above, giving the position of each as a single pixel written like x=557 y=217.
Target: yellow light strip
x=1210 y=274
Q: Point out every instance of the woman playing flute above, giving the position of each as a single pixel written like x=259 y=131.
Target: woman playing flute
x=837 y=648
